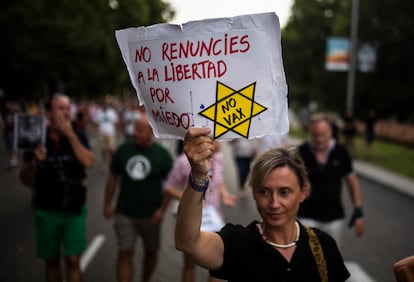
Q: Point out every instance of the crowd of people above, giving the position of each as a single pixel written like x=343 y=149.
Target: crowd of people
x=297 y=191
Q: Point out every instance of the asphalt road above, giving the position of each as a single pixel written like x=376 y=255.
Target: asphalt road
x=389 y=236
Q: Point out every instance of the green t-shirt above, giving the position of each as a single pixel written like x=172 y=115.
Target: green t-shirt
x=142 y=171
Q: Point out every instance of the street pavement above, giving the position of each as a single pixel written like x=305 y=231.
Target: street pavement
x=387 y=178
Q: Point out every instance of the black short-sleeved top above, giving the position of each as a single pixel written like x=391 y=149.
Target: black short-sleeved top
x=325 y=202
x=248 y=258
x=48 y=186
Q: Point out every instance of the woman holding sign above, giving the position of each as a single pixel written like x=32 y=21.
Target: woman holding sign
x=277 y=248
x=212 y=215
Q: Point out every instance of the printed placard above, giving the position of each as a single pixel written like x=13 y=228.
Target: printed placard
x=29 y=131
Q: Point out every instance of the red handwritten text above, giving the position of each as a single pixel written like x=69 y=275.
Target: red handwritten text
x=162 y=95
x=213 y=47
x=200 y=70
x=143 y=54
x=171 y=118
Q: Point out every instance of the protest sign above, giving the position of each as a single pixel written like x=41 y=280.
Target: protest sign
x=29 y=131
x=226 y=74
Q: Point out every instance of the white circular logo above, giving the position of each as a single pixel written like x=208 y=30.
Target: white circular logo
x=138 y=167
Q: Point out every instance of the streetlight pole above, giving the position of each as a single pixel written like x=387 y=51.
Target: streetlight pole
x=352 y=59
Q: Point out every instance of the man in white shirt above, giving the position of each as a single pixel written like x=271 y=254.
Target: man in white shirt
x=131 y=113
x=106 y=120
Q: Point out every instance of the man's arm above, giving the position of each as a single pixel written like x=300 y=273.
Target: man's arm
x=354 y=189
x=29 y=167
x=27 y=173
x=110 y=190
x=82 y=153
x=159 y=213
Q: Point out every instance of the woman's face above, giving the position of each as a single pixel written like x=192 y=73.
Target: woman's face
x=278 y=198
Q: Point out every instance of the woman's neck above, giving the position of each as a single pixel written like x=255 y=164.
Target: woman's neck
x=283 y=237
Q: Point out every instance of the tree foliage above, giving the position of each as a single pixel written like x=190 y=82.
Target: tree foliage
x=69 y=45
x=388 y=23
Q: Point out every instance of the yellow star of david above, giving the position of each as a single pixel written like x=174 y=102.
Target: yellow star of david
x=233 y=110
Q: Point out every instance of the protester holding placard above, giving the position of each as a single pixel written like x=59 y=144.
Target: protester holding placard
x=55 y=172
x=277 y=248
x=213 y=216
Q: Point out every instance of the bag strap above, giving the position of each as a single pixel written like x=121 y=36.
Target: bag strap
x=317 y=252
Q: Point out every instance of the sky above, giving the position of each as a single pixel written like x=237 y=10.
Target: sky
x=189 y=10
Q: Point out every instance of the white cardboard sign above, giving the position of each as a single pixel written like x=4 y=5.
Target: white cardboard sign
x=226 y=74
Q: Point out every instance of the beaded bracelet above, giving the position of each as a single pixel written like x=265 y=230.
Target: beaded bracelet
x=198 y=184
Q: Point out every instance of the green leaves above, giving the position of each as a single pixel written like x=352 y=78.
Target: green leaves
x=390 y=24
x=70 y=43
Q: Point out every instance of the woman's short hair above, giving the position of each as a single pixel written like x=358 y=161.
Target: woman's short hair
x=276 y=157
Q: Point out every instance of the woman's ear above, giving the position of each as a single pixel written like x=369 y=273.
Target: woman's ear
x=304 y=193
